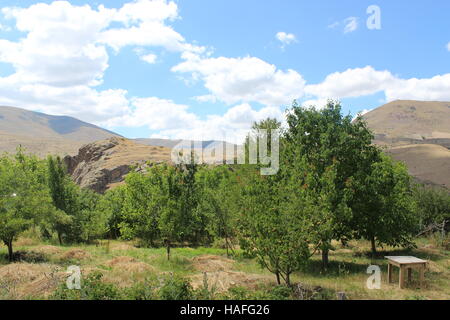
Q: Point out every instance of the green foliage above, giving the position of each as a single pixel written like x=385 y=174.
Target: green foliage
x=271 y=230
x=176 y=288
x=141 y=205
x=325 y=152
x=92 y=288
x=433 y=206
x=24 y=200
x=112 y=205
x=78 y=219
x=384 y=210
x=219 y=202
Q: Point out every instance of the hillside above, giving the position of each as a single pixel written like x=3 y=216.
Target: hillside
x=411 y=122
x=417 y=133
x=103 y=164
x=43 y=134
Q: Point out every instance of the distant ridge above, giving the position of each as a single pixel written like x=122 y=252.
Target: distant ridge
x=418 y=134
x=42 y=133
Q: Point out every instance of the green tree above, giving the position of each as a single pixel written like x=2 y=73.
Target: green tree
x=219 y=202
x=316 y=143
x=91 y=220
x=384 y=206
x=24 y=198
x=142 y=206
x=112 y=204
x=433 y=207
x=64 y=194
x=270 y=229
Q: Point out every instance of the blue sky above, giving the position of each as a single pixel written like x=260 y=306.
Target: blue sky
x=206 y=69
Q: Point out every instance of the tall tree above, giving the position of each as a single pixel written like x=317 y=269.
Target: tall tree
x=384 y=207
x=320 y=141
x=270 y=229
x=64 y=194
x=220 y=202
x=24 y=197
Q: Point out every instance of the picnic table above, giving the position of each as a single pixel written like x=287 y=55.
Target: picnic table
x=406 y=264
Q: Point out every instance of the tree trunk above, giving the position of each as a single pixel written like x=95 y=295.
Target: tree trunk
x=374 y=248
x=168 y=250
x=288 y=279
x=60 y=239
x=278 y=278
x=325 y=258
x=10 y=251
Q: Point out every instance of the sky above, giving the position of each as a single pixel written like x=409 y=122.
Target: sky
x=207 y=69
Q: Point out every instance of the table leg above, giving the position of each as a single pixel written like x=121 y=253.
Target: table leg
x=422 y=276
x=389 y=273
x=401 y=280
x=409 y=274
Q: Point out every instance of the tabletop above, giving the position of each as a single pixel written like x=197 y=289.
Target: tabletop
x=405 y=259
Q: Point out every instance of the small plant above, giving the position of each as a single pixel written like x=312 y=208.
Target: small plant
x=206 y=292
x=93 y=288
x=176 y=288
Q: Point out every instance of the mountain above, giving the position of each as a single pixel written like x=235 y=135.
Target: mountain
x=411 y=122
x=417 y=133
x=43 y=134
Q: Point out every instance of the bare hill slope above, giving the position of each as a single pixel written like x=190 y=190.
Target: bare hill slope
x=417 y=133
x=42 y=134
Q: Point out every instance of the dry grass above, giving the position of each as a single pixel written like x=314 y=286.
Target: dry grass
x=125 y=264
x=75 y=254
x=26 y=280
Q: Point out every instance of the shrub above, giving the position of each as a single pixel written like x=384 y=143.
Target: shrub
x=93 y=288
x=176 y=288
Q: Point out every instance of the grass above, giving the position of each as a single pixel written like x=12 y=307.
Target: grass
x=123 y=264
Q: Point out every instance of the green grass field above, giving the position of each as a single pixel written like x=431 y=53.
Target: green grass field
x=42 y=268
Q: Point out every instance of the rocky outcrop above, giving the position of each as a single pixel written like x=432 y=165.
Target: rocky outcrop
x=105 y=163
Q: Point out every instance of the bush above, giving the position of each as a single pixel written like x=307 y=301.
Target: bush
x=93 y=288
x=176 y=288
x=146 y=290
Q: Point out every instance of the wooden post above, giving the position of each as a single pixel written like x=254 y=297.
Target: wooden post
x=422 y=275
x=409 y=274
x=401 y=280
x=389 y=272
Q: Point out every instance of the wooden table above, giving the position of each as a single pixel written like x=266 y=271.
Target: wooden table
x=406 y=263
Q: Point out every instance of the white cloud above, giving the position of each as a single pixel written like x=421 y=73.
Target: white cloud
x=367 y=81
x=351 y=24
x=351 y=83
x=286 y=38
x=175 y=121
x=248 y=79
x=448 y=46
x=63 y=54
x=334 y=25
x=149 y=58
x=436 y=88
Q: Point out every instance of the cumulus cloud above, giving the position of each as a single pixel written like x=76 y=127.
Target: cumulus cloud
x=286 y=38
x=63 y=55
x=367 y=81
x=248 y=79
x=175 y=121
x=351 y=83
x=149 y=58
